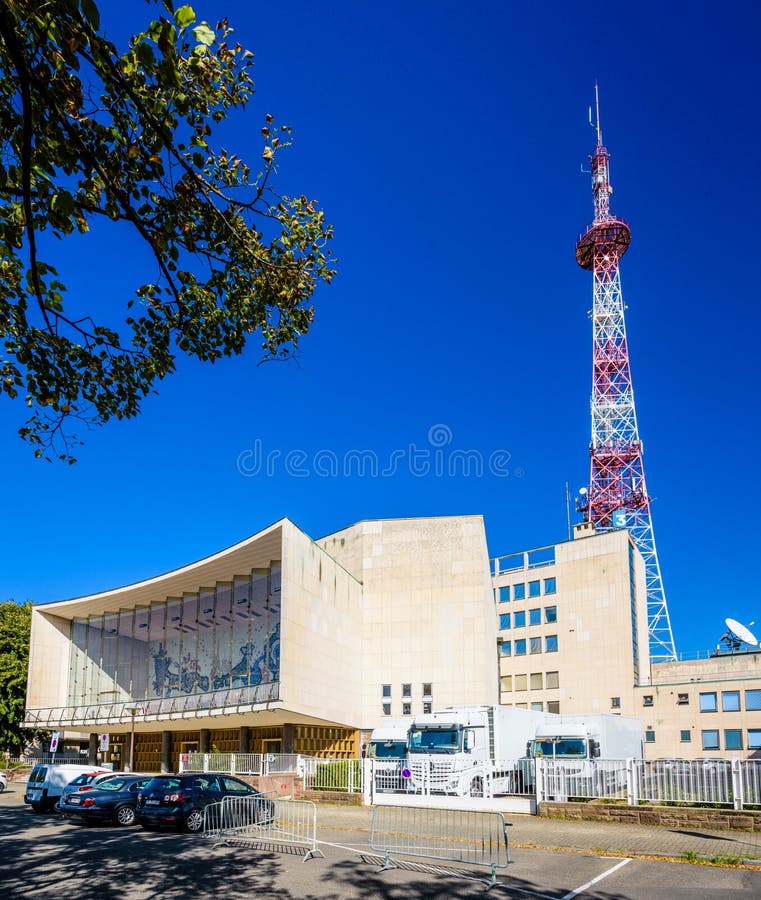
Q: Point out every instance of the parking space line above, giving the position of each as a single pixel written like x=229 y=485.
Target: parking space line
x=580 y=890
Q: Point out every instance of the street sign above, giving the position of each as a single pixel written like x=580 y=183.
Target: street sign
x=103 y=738
x=55 y=737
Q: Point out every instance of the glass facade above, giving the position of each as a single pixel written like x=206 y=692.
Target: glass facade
x=223 y=637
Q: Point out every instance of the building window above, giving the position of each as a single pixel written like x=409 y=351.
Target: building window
x=521 y=705
x=406 y=690
x=708 y=702
x=406 y=709
x=733 y=739
x=504 y=594
x=536 y=681
x=551 y=643
x=504 y=621
x=537 y=705
x=550 y=614
x=552 y=680
x=730 y=701
x=553 y=706
x=521 y=683
x=535 y=645
x=647 y=700
x=549 y=586
x=649 y=736
x=534 y=589
x=506 y=648
x=710 y=738
x=519 y=619
x=754 y=739
x=519 y=592
x=753 y=699
x=520 y=648
x=428 y=689
x=683 y=699
x=386 y=709
x=427 y=706
x=506 y=683
x=615 y=703
x=685 y=736
x=386 y=690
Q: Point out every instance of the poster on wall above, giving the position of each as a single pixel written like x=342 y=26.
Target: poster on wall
x=103 y=738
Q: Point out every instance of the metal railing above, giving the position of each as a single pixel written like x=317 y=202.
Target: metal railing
x=241 y=763
x=184 y=706
x=344 y=775
x=452 y=835
x=250 y=820
x=458 y=778
x=713 y=782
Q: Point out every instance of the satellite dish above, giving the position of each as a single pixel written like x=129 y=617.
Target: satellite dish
x=583 y=491
x=737 y=634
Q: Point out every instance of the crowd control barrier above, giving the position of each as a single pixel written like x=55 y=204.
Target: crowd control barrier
x=468 y=837
x=251 y=820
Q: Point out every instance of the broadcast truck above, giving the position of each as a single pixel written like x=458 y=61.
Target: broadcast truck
x=470 y=750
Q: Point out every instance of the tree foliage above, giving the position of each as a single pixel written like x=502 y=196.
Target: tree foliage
x=15 y=627
x=90 y=134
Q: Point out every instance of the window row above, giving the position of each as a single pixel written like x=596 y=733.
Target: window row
x=407 y=708
x=427 y=690
x=730 y=701
x=518 y=591
x=518 y=619
x=530 y=645
x=536 y=681
x=710 y=738
x=551 y=706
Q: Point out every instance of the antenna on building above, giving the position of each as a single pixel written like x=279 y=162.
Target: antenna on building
x=737 y=634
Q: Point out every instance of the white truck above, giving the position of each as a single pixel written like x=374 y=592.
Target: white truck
x=576 y=737
x=470 y=750
x=389 y=740
x=576 y=742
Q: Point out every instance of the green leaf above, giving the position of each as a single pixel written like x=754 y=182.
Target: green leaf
x=203 y=34
x=91 y=12
x=184 y=16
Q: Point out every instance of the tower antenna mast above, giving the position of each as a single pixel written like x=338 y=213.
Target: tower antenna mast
x=617 y=496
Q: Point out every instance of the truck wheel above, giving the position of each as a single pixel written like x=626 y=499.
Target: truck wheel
x=477 y=787
x=36 y=806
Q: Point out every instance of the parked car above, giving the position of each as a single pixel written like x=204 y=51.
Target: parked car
x=3 y=782
x=86 y=781
x=113 y=800
x=179 y=800
x=47 y=781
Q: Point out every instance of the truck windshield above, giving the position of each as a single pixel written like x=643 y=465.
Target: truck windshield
x=438 y=740
x=573 y=748
x=387 y=750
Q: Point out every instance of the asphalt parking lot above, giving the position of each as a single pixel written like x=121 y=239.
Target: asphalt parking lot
x=41 y=854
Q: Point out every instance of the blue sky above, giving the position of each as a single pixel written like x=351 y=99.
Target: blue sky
x=444 y=141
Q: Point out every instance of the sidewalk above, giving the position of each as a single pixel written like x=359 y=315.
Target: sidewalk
x=533 y=832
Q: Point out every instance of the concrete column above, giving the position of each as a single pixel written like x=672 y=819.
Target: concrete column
x=126 y=751
x=92 y=749
x=166 y=751
x=289 y=734
x=204 y=743
x=244 y=741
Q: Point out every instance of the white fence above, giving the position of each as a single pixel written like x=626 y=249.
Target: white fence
x=241 y=763
x=715 y=782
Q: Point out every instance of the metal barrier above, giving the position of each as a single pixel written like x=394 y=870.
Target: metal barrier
x=247 y=820
x=450 y=835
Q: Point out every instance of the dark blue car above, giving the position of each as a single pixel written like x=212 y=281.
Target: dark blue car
x=113 y=800
x=178 y=801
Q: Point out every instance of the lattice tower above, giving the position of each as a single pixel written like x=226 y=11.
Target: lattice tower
x=617 y=495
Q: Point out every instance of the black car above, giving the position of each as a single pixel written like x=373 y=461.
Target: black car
x=179 y=800
x=113 y=800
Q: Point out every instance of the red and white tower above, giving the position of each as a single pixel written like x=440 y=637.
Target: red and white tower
x=617 y=495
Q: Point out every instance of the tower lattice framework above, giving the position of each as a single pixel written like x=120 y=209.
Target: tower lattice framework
x=617 y=495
